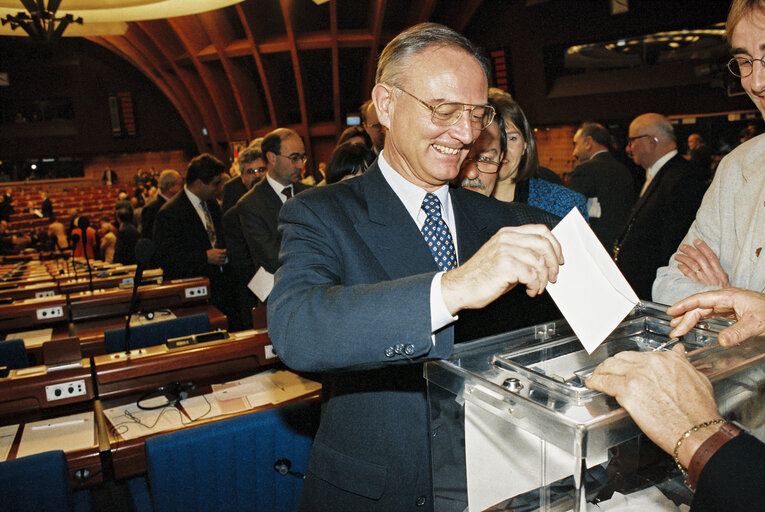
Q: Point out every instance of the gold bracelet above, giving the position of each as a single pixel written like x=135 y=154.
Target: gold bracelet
x=686 y=435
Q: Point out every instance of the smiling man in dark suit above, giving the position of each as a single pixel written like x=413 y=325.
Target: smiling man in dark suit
x=666 y=207
x=259 y=208
x=187 y=231
x=363 y=298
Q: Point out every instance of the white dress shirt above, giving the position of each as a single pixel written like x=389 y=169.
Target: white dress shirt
x=412 y=196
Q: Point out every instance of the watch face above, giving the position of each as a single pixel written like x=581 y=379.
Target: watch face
x=4 y=80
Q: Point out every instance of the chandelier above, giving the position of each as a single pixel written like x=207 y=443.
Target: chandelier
x=40 y=22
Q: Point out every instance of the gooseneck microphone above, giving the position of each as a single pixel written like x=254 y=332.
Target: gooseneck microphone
x=144 y=250
x=83 y=224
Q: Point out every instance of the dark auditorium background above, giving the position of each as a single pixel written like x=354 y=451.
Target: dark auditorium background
x=205 y=82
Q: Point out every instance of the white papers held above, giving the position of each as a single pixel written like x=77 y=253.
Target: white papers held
x=591 y=292
x=261 y=283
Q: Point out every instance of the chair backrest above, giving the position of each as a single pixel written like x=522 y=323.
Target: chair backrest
x=13 y=354
x=156 y=333
x=23 y=479
x=229 y=464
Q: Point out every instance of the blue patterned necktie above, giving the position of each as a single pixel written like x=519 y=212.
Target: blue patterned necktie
x=437 y=235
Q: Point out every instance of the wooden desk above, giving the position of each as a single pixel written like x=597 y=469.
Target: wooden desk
x=28 y=395
x=48 y=311
x=122 y=381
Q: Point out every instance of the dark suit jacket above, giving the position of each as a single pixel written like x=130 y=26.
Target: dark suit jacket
x=657 y=223
x=181 y=245
x=124 y=247
x=148 y=214
x=242 y=269
x=233 y=190
x=606 y=178
x=352 y=300
x=258 y=214
x=734 y=478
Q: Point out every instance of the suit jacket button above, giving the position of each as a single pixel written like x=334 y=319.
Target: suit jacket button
x=409 y=349
x=421 y=501
x=389 y=352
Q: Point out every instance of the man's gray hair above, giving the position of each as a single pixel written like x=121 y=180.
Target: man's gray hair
x=167 y=179
x=249 y=155
x=415 y=39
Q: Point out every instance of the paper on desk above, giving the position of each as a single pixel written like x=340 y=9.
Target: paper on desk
x=591 y=292
x=286 y=386
x=261 y=284
x=34 y=338
x=151 y=422
x=7 y=435
x=68 y=433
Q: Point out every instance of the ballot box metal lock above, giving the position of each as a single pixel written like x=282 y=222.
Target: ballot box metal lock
x=513 y=427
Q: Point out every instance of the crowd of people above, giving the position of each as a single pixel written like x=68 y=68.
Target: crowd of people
x=430 y=210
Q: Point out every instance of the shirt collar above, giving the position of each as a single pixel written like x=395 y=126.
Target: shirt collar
x=195 y=199
x=278 y=187
x=658 y=164
x=411 y=195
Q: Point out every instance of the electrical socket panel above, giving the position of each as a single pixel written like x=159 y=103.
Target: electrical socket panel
x=51 y=312
x=65 y=390
x=196 y=291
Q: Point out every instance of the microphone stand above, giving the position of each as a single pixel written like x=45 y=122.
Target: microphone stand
x=143 y=252
x=83 y=225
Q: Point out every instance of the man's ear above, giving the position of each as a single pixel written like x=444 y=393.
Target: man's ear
x=382 y=96
x=271 y=157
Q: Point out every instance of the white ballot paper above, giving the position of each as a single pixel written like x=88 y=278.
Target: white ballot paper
x=591 y=292
x=261 y=284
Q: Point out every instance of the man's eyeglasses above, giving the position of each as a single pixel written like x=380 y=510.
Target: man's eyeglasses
x=255 y=170
x=742 y=67
x=448 y=113
x=295 y=158
x=484 y=164
x=631 y=140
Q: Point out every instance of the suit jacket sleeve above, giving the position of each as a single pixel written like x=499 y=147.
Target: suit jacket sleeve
x=175 y=253
x=326 y=312
x=734 y=478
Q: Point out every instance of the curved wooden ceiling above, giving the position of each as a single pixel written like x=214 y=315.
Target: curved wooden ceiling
x=238 y=72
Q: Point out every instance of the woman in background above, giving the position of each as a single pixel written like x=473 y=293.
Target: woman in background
x=348 y=160
x=518 y=179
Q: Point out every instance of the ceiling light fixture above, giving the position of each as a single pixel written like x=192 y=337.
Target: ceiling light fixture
x=40 y=22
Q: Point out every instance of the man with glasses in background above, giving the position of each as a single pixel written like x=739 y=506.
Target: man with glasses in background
x=375 y=270
x=259 y=208
x=724 y=245
x=666 y=204
x=252 y=167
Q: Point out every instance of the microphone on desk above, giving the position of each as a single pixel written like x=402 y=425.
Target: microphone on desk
x=75 y=239
x=83 y=223
x=144 y=250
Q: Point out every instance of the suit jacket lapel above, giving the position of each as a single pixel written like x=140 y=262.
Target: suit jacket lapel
x=389 y=230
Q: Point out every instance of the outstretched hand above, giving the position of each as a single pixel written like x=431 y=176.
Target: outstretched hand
x=663 y=393
x=745 y=306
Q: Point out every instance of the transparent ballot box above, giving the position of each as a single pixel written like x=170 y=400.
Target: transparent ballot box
x=514 y=428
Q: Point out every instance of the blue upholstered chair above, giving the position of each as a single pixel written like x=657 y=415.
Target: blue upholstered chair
x=40 y=483
x=156 y=333
x=13 y=354
x=229 y=464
